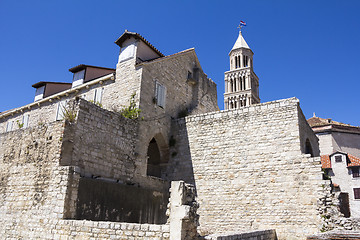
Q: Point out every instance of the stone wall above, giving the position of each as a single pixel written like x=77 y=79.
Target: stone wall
x=33 y=187
x=182 y=98
x=307 y=135
x=101 y=143
x=249 y=170
x=263 y=235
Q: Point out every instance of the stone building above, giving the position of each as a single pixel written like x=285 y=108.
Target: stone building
x=343 y=169
x=71 y=165
x=340 y=156
x=336 y=136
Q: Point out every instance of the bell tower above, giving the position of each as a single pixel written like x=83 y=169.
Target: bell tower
x=241 y=83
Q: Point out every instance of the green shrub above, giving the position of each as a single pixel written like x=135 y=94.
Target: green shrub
x=131 y=111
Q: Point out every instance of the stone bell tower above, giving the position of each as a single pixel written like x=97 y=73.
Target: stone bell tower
x=241 y=83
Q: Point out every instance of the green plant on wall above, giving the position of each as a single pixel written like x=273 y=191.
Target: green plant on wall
x=19 y=124
x=131 y=111
x=69 y=114
x=96 y=103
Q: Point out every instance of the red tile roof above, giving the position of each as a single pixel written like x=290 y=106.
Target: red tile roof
x=325 y=161
x=317 y=121
x=354 y=161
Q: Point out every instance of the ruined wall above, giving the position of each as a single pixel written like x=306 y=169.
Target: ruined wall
x=32 y=186
x=249 y=170
x=41 y=168
x=101 y=143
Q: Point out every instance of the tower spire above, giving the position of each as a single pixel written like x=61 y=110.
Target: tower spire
x=241 y=83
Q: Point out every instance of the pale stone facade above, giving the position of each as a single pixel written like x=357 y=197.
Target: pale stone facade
x=252 y=168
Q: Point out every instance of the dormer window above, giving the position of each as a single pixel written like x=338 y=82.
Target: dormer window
x=338 y=158
x=85 y=73
x=78 y=78
x=39 y=94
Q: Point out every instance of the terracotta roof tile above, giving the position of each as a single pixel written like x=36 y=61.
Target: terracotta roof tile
x=317 y=121
x=354 y=161
x=325 y=161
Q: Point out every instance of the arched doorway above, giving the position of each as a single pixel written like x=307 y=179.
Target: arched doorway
x=153 y=159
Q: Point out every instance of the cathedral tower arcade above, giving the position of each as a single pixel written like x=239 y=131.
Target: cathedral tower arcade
x=241 y=83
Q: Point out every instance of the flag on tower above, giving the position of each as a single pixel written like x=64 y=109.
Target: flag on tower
x=242 y=23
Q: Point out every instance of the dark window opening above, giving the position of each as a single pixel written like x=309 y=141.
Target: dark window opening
x=356 y=193
x=154 y=160
x=308 y=148
x=355 y=172
x=338 y=158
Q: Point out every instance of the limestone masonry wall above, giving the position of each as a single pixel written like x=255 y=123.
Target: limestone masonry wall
x=32 y=185
x=101 y=143
x=249 y=170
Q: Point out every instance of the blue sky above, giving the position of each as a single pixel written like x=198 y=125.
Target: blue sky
x=306 y=49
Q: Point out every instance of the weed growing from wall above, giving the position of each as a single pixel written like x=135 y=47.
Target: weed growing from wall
x=69 y=114
x=131 y=111
x=19 y=124
x=96 y=103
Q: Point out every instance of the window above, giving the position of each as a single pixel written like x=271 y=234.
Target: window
x=355 y=172
x=338 y=159
x=98 y=95
x=78 y=78
x=356 y=193
x=39 y=94
x=9 y=126
x=160 y=94
x=25 y=121
x=60 y=110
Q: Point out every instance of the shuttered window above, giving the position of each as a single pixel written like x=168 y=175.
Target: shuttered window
x=25 y=121
x=98 y=95
x=9 y=126
x=160 y=94
x=60 y=110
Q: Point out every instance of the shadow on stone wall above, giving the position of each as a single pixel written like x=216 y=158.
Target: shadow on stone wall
x=100 y=200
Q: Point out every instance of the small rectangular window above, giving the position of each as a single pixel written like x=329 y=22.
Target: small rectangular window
x=60 y=110
x=356 y=193
x=98 y=95
x=9 y=126
x=25 y=120
x=160 y=94
x=338 y=158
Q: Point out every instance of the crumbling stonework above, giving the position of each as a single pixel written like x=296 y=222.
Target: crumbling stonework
x=249 y=170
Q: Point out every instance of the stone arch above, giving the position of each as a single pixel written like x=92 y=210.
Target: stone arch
x=308 y=148
x=157 y=156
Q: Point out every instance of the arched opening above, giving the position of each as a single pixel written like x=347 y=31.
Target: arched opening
x=308 y=148
x=154 y=160
x=157 y=156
